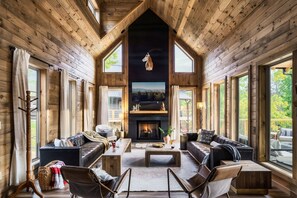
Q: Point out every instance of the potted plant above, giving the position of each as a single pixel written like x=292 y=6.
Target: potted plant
x=167 y=134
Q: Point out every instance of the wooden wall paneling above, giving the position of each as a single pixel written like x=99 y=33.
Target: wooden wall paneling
x=294 y=108
x=261 y=114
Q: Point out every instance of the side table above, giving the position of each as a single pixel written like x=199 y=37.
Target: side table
x=253 y=178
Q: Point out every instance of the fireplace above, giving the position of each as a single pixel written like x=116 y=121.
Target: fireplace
x=148 y=130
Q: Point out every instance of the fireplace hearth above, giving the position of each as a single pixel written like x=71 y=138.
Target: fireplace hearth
x=148 y=130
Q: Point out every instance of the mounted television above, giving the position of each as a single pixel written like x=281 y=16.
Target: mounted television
x=148 y=92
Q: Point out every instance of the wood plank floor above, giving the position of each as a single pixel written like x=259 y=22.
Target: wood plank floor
x=273 y=193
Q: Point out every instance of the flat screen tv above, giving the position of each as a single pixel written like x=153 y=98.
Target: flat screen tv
x=148 y=92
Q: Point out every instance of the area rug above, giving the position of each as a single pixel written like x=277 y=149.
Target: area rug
x=154 y=178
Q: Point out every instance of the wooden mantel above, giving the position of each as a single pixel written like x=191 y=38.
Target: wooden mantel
x=148 y=112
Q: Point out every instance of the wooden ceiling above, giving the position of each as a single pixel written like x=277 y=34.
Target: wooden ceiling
x=202 y=24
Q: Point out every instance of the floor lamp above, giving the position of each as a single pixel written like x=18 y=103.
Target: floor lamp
x=200 y=106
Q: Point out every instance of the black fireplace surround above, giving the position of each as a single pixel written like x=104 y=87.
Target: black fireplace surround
x=150 y=127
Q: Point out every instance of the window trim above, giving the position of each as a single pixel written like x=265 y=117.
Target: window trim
x=194 y=109
x=109 y=53
x=235 y=106
x=187 y=54
x=217 y=107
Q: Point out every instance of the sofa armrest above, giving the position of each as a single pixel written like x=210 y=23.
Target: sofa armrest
x=217 y=154
x=69 y=155
x=192 y=136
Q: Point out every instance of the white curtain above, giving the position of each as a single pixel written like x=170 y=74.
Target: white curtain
x=87 y=113
x=64 y=106
x=19 y=87
x=174 y=112
x=102 y=117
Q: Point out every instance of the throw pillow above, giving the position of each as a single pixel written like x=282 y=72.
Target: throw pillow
x=214 y=143
x=102 y=174
x=206 y=136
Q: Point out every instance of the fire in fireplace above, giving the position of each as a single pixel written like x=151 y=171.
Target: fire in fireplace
x=148 y=130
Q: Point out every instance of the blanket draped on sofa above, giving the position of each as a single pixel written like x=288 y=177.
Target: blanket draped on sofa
x=232 y=150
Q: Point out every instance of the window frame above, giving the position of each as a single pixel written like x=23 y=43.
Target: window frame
x=217 y=107
x=206 y=113
x=235 y=107
x=194 y=117
x=107 y=56
x=96 y=9
x=187 y=54
x=122 y=105
x=72 y=104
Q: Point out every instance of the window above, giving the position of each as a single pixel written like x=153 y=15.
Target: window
x=186 y=109
x=222 y=109
x=94 y=8
x=115 y=96
x=243 y=108
x=34 y=88
x=113 y=62
x=280 y=119
x=72 y=106
x=207 y=108
x=183 y=62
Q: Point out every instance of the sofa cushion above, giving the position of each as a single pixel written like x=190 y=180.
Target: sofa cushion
x=91 y=151
x=206 y=136
x=78 y=139
x=199 y=150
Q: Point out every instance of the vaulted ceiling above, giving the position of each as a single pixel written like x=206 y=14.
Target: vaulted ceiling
x=202 y=24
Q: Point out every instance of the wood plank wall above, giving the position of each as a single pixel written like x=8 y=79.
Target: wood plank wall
x=269 y=32
x=26 y=26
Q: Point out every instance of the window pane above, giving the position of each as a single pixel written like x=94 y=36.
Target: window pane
x=182 y=61
x=186 y=110
x=113 y=62
x=115 y=108
x=243 y=107
x=208 y=109
x=222 y=109
x=281 y=133
x=33 y=87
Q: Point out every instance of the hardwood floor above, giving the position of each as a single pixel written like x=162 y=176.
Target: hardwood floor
x=273 y=193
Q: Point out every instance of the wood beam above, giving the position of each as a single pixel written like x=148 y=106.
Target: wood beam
x=185 y=17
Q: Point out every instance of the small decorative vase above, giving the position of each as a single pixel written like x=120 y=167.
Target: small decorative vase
x=166 y=139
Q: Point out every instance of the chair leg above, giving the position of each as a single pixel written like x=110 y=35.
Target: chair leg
x=129 y=181
x=227 y=194
x=168 y=183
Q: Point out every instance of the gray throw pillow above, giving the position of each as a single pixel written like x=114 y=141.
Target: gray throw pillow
x=206 y=136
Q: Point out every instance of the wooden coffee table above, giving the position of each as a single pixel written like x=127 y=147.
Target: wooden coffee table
x=253 y=178
x=112 y=158
x=167 y=150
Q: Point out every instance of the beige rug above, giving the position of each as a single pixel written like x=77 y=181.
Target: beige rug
x=154 y=178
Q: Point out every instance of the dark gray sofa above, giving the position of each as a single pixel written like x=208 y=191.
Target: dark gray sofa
x=212 y=156
x=83 y=153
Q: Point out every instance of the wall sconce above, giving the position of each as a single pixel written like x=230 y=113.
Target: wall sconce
x=200 y=106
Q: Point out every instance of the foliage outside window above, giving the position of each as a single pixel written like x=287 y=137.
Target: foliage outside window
x=115 y=108
x=113 y=62
x=281 y=133
x=243 y=107
x=222 y=109
x=34 y=87
x=182 y=61
x=186 y=98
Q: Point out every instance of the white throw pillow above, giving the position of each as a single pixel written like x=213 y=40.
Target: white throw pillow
x=214 y=143
x=102 y=174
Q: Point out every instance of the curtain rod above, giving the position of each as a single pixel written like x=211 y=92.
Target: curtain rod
x=32 y=55
x=12 y=48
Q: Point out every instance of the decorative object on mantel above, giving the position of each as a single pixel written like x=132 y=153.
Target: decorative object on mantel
x=163 y=107
x=136 y=107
